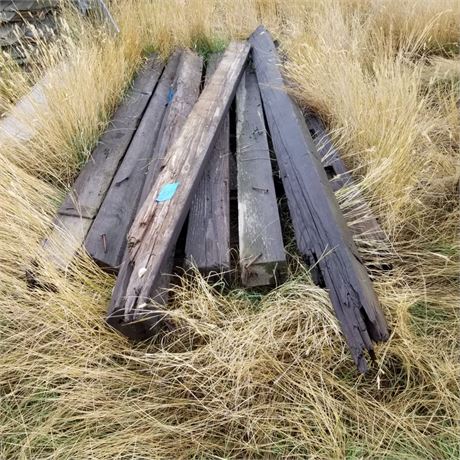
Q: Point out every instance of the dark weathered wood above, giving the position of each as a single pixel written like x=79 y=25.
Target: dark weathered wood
x=183 y=95
x=94 y=180
x=157 y=225
x=363 y=222
x=185 y=90
x=106 y=240
x=87 y=194
x=321 y=232
x=262 y=255
x=207 y=245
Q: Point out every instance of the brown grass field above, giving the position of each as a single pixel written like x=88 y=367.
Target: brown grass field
x=246 y=374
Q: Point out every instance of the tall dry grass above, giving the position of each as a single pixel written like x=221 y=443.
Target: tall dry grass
x=245 y=374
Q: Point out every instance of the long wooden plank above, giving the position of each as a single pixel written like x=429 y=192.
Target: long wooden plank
x=262 y=255
x=94 y=180
x=363 y=224
x=23 y=5
x=207 y=244
x=23 y=10
x=65 y=240
x=87 y=194
x=106 y=240
x=321 y=232
x=157 y=225
x=182 y=96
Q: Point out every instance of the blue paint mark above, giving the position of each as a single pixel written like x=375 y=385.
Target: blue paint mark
x=170 y=96
x=167 y=192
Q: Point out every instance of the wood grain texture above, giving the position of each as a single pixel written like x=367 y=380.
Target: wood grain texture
x=362 y=222
x=185 y=90
x=262 y=256
x=87 y=194
x=157 y=225
x=106 y=240
x=207 y=245
x=91 y=185
x=321 y=232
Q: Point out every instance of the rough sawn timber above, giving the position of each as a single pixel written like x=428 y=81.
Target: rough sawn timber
x=157 y=225
x=321 y=232
x=262 y=255
x=207 y=245
x=84 y=199
x=106 y=239
x=183 y=93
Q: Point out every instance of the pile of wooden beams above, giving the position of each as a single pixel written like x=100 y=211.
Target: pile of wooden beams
x=24 y=23
x=165 y=166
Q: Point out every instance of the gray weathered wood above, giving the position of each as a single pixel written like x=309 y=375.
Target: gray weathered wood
x=23 y=5
x=321 y=232
x=158 y=223
x=262 y=255
x=91 y=185
x=207 y=244
x=20 y=10
x=106 y=239
x=87 y=194
x=65 y=239
x=21 y=121
x=184 y=93
x=364 y=223
x=20 y=33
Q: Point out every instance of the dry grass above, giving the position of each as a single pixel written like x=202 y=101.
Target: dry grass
x=246 y=374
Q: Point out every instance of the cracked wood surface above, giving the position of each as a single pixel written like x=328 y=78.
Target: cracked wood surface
x=320 y=230
x=262 y=256
x=207 y=244
x=106 y=240
x=157 y=225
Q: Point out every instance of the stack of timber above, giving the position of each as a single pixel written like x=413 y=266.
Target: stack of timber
x=163 y=169
x=24 y=23
x=81 y=206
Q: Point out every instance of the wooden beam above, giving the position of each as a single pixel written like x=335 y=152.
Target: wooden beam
x=106 y=240
x=321 y=232
x=183 y=94
x=157 y=225
x=207 y=244
x=85 y=197
x=363 y=222
x=20 y=10
x=182 y=97
x=262 y=255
